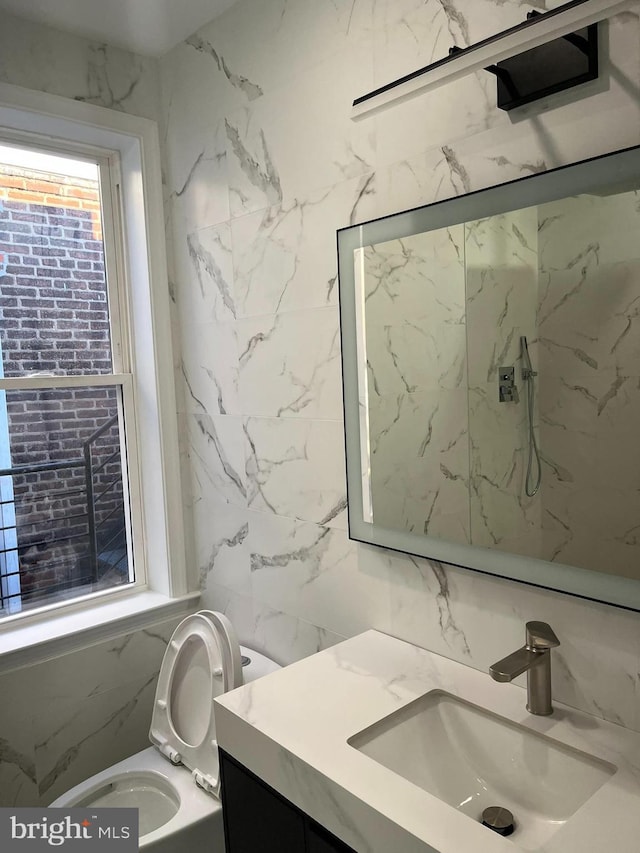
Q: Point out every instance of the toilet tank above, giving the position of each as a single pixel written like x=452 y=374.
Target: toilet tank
x=257 y=666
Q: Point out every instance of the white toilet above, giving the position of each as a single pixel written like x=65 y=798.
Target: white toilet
x=175 y=783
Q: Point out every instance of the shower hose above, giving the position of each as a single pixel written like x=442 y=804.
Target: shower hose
x=531 y=483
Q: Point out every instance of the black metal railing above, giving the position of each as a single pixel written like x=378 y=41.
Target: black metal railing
x=115 y=543
x=72 y=546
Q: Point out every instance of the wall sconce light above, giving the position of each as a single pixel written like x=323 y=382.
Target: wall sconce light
x=547 y=53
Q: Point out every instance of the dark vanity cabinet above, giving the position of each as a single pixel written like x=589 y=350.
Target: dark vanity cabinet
x=259 y=820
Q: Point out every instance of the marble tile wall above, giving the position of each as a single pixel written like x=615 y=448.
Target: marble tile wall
x=590 y=290
x=443 y=311
x=431 y=298
x=42 y=58
x=264 y=165
x=415 y=350
x=501 y=259
x=65 y=719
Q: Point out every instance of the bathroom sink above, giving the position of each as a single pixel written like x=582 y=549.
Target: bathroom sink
x=473 y=759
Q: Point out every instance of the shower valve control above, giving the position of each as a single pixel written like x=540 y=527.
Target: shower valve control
x=507 y=389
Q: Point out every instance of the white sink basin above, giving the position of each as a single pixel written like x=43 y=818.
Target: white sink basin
x=471 y=759
x=437 y=742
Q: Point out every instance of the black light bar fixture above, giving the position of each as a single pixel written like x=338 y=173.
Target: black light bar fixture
x=547 y=53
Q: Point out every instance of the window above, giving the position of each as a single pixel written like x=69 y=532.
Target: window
x=65 y=526
x=91 y=537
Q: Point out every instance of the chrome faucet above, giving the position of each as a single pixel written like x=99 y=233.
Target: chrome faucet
x=534 y=658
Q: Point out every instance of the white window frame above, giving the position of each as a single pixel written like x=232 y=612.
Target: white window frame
x=164 y=588
x=118 y=287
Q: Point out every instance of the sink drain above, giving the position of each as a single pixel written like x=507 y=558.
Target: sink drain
x=498 y=819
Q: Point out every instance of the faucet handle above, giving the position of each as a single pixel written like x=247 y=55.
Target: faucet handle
x=541 y=636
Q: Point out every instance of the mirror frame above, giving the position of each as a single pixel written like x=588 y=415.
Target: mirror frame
x=620 y=168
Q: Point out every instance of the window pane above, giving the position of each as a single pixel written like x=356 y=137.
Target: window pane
x=64 y=519
x=53 y=295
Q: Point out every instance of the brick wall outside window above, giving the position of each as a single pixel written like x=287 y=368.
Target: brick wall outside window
x=54 y=318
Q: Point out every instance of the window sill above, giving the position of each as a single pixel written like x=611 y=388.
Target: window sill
x=61 y=634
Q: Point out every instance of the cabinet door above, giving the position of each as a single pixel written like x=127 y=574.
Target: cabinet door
x=319 y=840
x=256 y=819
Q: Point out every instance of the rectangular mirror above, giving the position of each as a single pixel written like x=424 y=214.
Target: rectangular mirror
x=491 y=368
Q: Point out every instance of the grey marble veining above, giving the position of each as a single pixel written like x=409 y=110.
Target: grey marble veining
x=290 y=364
x=209 y=370
x=286 y=638
x=89 y=695
x=448 y=627
x=587 y=309
x=70 y=742
x=49 y=60
x=251 y=90
x=304 y=454
x=413 y=342
x=102 y=89
x=22 y=763
x=227 y=542
x=284 y=256
x=554 y=275
x=256 y=165
x=217 y=458
x=196 y=175
x=268 y=165
x=210 y=275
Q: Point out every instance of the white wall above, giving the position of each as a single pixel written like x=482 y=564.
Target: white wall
x=264 y=165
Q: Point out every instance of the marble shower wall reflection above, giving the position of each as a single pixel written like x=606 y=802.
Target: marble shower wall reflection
x=589 y=356
x=414 y=330
x=572 y=285
x=443 y=311
x=501 y=258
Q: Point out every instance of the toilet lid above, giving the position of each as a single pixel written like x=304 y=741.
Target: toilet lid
x=202 y=661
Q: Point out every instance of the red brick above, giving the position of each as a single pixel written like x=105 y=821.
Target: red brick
x=24 y=196
x=11 y=182
x=78 y=192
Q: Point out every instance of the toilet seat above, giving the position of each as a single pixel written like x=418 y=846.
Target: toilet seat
x=202 y=661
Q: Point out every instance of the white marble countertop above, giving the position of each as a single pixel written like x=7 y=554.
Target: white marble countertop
x=291 y=729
